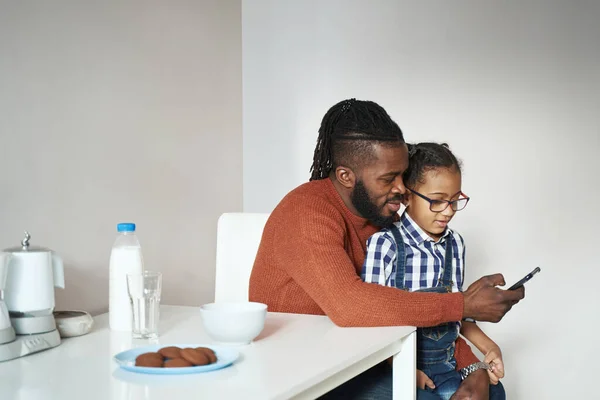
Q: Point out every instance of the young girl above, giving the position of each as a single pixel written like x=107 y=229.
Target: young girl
x=421 y=253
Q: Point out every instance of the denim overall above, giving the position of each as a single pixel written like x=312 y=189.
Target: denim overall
x=435 y=345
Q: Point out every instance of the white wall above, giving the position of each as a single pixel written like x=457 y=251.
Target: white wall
x=513 y=87
x=121 y=110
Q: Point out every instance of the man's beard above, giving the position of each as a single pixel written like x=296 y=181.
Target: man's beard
x=367 y=209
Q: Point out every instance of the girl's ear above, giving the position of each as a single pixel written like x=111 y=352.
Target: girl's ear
x=406 y=198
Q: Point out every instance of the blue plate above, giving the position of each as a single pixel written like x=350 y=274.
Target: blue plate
x=225 y=357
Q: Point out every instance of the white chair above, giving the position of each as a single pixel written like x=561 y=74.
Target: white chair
x=238 y=237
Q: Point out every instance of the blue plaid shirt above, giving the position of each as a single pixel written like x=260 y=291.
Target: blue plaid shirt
x=424 y=257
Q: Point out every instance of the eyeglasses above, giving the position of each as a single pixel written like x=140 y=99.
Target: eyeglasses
x=441 y=205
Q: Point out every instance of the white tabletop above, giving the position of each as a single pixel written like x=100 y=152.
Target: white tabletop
x=293 y=355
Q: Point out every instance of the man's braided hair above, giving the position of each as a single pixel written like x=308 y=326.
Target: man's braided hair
x=347 y=133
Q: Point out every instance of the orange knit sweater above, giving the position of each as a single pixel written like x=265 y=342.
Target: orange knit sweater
x=309 y=262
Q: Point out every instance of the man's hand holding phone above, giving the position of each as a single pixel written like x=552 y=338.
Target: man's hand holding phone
x=483 y=301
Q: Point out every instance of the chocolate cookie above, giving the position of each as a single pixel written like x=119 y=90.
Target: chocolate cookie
x=153 y=360
x=194 y=356
x=212 y=357
x=170 y=352
x=177 y=363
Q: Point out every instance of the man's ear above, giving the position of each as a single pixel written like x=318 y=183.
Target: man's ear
x=345 y=176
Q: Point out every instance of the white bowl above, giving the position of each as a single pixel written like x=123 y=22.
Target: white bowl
x=73 y=323
x=235 y=323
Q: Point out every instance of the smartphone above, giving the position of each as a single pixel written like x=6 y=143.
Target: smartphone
x=525 y=279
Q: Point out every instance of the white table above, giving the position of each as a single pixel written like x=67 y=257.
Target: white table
x=296 y=356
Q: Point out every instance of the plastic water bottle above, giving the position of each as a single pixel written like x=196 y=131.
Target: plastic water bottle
x=125 y=258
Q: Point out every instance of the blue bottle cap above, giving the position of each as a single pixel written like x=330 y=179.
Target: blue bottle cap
x=126 y=227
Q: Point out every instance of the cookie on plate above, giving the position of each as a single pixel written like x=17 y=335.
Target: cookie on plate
x=153 y=360
x=177 y=363
x=170 y=352
x=212 y=357
x=194 y=356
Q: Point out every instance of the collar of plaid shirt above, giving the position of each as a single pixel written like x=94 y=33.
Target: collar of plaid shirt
x=418 y=234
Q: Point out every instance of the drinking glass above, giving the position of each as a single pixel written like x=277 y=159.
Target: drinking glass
x=144 y=292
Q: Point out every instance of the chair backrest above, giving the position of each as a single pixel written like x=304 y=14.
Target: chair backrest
x=238 y=237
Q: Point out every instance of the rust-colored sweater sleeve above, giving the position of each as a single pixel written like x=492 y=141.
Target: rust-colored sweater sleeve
x=310 y=247
x=463 y=354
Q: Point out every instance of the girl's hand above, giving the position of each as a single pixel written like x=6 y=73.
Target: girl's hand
x=494 y=358
x=423 y=380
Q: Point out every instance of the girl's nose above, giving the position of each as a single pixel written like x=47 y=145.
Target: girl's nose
x=448 y=212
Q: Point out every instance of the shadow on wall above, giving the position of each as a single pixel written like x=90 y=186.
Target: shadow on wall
x=82 y=284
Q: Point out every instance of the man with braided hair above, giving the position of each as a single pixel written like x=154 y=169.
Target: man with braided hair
x=314 y=244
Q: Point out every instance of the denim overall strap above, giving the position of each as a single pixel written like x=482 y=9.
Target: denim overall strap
x=447 y=276
x=435 y=345
x=400 y=256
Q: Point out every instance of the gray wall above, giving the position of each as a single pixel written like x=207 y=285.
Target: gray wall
x=121 y=111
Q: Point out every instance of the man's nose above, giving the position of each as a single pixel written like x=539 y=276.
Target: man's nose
x=399 y=185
